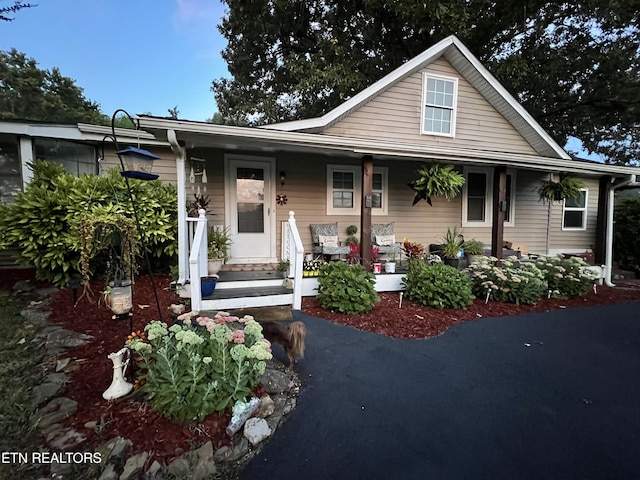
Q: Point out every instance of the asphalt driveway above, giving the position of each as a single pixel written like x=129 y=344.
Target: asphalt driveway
x=538 y=396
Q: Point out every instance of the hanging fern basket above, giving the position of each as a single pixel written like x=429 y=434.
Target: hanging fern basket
x=436 y=180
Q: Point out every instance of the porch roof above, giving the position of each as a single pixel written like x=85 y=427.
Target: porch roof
x=250 y=139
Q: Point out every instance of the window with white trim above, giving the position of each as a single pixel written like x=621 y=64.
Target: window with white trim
x=477 y=198
x=344 y=190
x=76 y=158
x=439 y=105
x=574 y=214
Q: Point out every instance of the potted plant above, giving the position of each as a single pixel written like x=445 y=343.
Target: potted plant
x=198 y=202
x=283 y=267
x=473 y=249
x=351 y=232
x=436 y=180
x=219 y=244
x=208 y=285
x=390 y=264
x=566 y=187
x=375 y=259
x=452 y=247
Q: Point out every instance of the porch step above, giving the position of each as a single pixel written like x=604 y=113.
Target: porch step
x=244 y=279
x=247 y=297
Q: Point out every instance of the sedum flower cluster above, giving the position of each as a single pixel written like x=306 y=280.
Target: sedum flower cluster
x=566 y=277
x=510 y=280
x=202 y=366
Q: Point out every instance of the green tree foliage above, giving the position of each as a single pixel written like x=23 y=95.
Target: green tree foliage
x=13 y=9
x=30 y=93
x=573 y=66
x=42 y=223
x=626 y=240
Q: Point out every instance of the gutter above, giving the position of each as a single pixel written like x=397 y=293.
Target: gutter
x=181 y=182
x=609 y=248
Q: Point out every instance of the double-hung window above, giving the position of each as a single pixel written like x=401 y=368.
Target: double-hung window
x=344 y=190
x=477 y=198
x=439 y=105
x=574 y=215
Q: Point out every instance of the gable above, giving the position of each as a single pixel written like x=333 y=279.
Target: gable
x=395 y=115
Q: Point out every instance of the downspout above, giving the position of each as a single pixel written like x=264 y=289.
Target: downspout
x=609 y=248
x=181 y=181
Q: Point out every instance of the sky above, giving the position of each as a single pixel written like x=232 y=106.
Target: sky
x=144 y=56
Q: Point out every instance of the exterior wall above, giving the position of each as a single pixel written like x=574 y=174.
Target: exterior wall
x=573 y=241
x=165 y=167
x=395 y=115
x=305 y=188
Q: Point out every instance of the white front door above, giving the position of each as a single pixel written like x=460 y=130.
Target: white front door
x=250 y=208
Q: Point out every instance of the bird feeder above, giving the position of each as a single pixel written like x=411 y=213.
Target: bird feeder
x=120 y=297
x=138 y=163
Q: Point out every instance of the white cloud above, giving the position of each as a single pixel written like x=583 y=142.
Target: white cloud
x=196 y=13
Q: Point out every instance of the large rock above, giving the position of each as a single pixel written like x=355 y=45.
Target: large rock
x=204 y=465
x=256 y=430
x=56 y=410
x=266 y=408
x=274 y=381
x=134 y=466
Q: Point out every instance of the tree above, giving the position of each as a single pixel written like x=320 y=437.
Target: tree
x=575 y=68
x=30 y=93
x=15 y=8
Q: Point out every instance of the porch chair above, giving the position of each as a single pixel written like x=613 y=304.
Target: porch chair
x=383 y=237
x=325 y=240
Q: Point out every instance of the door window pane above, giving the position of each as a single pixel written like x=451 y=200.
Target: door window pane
x=250 y=200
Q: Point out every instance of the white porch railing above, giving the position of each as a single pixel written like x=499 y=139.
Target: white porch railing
x=295 y=257
x=198 y=260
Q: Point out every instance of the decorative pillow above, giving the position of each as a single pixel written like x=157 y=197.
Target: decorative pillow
x=385 y=240
x=318 y=229
x=328 y=240
x=381 y=229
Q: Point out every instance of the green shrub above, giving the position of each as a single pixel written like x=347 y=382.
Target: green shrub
x=507 y=280
x=192 y=371
x=566 y=278
x=41 y=224
x=346 y=288
x=437 y=285
x=626 y=235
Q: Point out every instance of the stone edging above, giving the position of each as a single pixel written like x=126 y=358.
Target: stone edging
x=201 y=463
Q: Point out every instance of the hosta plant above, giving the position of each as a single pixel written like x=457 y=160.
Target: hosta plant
x=201 y=367
x=508 y=280
x=346 y=288
x=437 y=285
x=566 y=277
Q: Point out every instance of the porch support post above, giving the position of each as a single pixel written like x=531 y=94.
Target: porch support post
x=181 y=182
x=499 y=207
x=365 y=210
x=601 y=221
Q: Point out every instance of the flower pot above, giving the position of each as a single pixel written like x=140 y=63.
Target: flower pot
x=377 y=267
x=452 y=262
x=214 y=265
x=208 y=285
x=390 y=267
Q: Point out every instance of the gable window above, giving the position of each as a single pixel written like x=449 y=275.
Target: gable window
x=344 y=190
x=477 y=198
x=574 y=215
x=439 y=104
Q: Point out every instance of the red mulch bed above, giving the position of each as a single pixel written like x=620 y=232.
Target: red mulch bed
x=416 y=321
x=91 y=372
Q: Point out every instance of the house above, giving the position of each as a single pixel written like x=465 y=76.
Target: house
x=352 y=166
x=80 y=148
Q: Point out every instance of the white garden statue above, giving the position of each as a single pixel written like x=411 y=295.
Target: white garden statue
x=119 y=386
